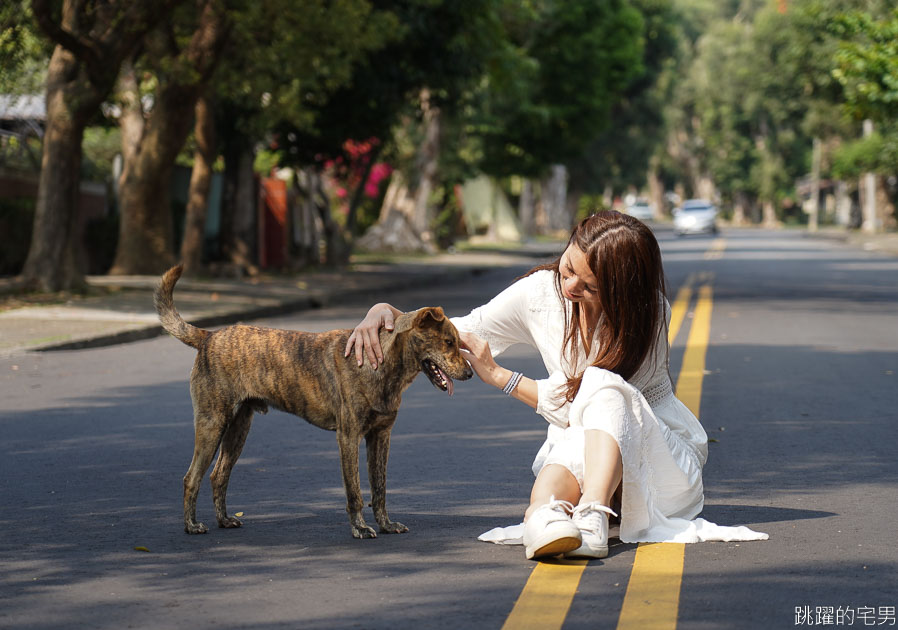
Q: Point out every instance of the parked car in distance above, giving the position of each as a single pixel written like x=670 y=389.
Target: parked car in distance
x=641 y=209
x=695 y=216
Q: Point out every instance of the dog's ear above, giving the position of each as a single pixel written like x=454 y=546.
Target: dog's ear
x=422 y=318
x=429 y=317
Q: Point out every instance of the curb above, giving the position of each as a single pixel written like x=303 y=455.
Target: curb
x=309 y=302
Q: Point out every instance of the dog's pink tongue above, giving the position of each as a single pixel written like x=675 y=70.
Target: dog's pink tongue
x=450 y=385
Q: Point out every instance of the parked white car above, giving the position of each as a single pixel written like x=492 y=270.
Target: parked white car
x=641 y=209
x=695 y=216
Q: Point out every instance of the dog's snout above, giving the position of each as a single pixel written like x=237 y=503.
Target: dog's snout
x=466 y=373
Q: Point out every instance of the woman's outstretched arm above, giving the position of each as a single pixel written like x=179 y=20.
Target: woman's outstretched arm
x=477 y=353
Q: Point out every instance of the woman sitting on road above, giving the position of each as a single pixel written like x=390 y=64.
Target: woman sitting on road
x=598 y=316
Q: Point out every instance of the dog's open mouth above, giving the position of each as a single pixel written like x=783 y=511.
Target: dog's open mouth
x=437 y=376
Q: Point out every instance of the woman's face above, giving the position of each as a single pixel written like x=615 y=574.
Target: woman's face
x=578 y=284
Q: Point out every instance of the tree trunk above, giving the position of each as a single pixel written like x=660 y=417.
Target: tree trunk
x=527 y=208
x=90 y=47
x=131 y=122
x=337 y=250
x=394 y=231
x=146 y=231
x=607 y=197
x=868 y=192
x=51 y=263
x=814 y=202
x=426 y=165
x=740 y=201
x=238 y=212
x=656 y=190
x=769 y=210
x=410 y=232
x=554 y=200
x=200 y=183
x=305 y=249
x=885 y=209
x=705 y=188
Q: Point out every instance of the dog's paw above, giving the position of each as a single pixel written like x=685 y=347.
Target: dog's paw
x=363 y=532
x=196 y=528
x=229 y=522
x=393 y=527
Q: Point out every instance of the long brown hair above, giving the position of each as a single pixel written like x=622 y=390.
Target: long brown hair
x=625 y=259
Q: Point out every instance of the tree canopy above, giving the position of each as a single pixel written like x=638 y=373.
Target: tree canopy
x=738 y=100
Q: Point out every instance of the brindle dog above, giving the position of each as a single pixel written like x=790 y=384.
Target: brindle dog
x=243 y=369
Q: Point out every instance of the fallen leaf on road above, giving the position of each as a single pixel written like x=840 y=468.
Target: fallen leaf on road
x=239 y=514
x=141 y=549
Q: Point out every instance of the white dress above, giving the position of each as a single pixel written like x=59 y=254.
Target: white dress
x=663 y=445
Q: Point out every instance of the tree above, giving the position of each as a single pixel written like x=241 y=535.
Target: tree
x=417 y=77
x=533 y=96
x=200 y=184
x=554 y=83
x=182 y=71
x=91 y=40
x=293 y=80
x=23 y=52
x=867 y=69
x=620 y=157
x=868 y=64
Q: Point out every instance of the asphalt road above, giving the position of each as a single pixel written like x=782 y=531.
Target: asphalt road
x=799 y=396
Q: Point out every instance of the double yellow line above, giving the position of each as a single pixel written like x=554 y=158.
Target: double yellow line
x=653 y=592
x=652 y=600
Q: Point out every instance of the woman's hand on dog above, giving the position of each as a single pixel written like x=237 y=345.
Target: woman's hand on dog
x=365 y=337
x=477 y=352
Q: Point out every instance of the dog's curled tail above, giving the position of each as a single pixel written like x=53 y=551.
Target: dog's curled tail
x=171 y=320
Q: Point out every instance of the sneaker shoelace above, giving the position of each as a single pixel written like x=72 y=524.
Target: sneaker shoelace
x=563 y=508
x=588 y=517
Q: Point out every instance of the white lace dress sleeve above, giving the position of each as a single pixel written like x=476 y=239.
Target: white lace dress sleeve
x=503 y=321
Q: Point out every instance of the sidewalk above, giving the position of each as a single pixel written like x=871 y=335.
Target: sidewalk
x=885 y=242
x=124 y=309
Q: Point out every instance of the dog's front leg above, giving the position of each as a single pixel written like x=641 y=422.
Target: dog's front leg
x=349 y=460
x=378 y=445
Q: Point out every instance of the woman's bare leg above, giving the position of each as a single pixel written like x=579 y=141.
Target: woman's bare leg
x=603 y=468
x=553 y=480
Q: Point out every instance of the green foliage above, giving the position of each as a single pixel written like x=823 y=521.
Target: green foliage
x=286 y=59
x=433 y=44
x=876 y=153
x=23 y=53
x=619 y=156
x=100 y=146
x=868 y=64
x=760 y=86
x=552 y=86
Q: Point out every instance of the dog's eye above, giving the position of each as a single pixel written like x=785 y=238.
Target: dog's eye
x=450 y=342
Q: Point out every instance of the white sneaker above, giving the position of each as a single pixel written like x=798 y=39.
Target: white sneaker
x=549 y=531
x=592 y=521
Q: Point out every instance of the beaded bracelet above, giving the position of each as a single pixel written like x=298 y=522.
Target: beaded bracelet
x=512 y=383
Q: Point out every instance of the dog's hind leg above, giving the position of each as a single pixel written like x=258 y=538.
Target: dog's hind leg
x=349 y=461
x=378 y=445
x=209 y=426
x=231 y=446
